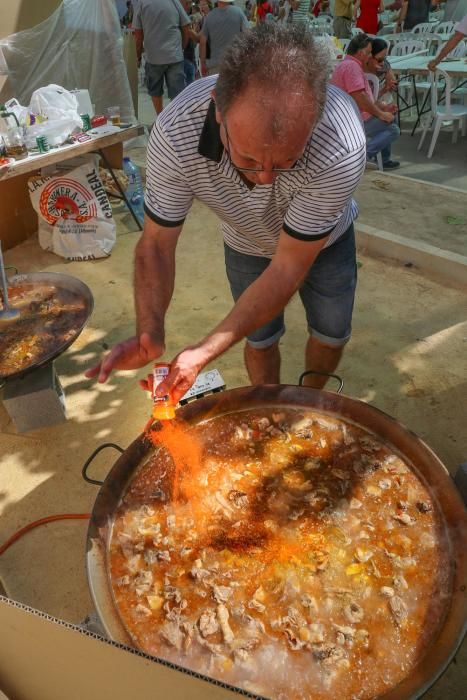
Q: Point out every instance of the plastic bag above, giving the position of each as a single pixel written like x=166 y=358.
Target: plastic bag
x=54 y=102
x=18 y=110
x=75 y=216
x=61 y=109
x=56 y=132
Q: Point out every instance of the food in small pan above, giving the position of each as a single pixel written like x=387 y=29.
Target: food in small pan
x=50 y=317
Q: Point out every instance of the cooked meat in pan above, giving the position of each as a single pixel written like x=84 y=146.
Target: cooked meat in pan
x=287 y=552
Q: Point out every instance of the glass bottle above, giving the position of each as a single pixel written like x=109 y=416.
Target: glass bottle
x=14 y=143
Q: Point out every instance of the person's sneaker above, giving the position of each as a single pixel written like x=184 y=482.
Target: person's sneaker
x=391 y=165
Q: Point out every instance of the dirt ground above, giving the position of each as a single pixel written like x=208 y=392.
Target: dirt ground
x=415 y=210
x=406 y=357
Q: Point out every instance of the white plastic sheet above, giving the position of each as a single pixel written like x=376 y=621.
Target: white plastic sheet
x=79 y=46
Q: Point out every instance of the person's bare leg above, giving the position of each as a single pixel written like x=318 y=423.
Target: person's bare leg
x=322 y=358
x=263 y=366
x=158 y=105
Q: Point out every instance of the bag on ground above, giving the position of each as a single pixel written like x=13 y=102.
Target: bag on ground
x=75 y=216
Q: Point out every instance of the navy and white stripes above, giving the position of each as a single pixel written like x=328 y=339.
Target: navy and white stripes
x=308 y=204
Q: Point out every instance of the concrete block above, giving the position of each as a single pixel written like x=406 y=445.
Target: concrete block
x=36 y=400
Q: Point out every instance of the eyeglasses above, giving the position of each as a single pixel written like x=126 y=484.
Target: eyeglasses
x=293 y=168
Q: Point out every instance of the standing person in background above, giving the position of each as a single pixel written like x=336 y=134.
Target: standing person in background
x=275 y=7
x=301 y=10
x=189 y=58
x=284 y=12
x=127 y=18
x=367 y=20
x=413 y=12
x=163 y=27
x=263 y=8
x=321 y=7
x=219 y=28
x=205 y=7
x=196 y=18
x=343 y=18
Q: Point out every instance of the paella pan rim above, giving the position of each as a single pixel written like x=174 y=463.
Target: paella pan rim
x=414 y=451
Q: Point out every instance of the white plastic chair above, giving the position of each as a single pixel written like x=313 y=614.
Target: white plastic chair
x=323 y=19
x=374 y=83
x=394 y=39
x=443 y=113
x=423 y=27
x=445 y=28
x=433 y=42
x=460 y=88
x=404 y=48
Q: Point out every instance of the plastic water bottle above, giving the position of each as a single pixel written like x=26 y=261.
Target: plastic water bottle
x=134 y=191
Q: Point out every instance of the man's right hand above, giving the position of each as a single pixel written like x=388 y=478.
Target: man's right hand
x=133 y=353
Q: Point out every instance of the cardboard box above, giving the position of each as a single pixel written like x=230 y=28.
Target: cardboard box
x=43 y=658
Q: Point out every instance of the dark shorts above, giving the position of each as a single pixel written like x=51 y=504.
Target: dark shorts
x=327 y=293
x=173 y=74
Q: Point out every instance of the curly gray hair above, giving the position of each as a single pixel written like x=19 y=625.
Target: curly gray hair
x=277 y=58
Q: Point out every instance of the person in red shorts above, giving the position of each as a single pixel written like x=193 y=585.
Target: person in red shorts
x=263 y=9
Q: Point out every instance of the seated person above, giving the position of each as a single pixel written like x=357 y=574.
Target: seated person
x=380 y=66
x=378 y=118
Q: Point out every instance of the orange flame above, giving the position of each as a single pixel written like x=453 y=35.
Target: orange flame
x=186 y=453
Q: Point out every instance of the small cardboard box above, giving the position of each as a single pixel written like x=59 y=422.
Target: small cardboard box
x=43 y=658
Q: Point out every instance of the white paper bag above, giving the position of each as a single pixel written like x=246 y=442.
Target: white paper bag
x=75 y=216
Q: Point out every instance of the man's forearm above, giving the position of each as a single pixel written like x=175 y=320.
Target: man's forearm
x=448 y=47
x=154 y=283
x=261 y=302
x=402 y=14
x=202 y=48
x=366 y=105
x=185 y=36
x=139 y=43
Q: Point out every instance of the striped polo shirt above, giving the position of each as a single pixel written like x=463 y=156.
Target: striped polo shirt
x=186 y=159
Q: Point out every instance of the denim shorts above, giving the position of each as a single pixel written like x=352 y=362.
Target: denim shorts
x=327 y=293
x=174 y=77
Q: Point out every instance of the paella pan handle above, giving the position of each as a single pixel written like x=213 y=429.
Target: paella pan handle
x=322 y=374
x=91 y=459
